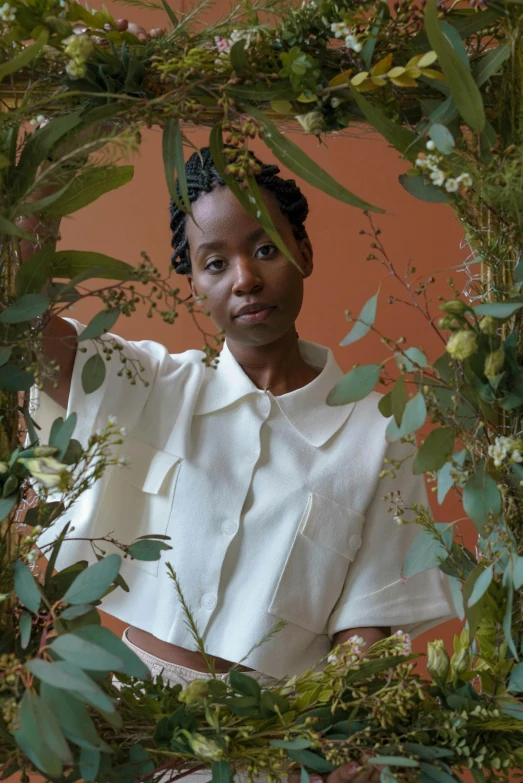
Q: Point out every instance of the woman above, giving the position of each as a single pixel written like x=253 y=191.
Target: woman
x=272 y=499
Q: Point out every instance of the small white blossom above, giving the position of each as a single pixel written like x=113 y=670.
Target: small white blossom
x=333 y=659
x=451 y=185
x=431 y=145
x=466 y=180
x=340 y=29
x=438 y=178
x=516 y=456
x=122 y=462
x=7 y=13
x=351 y=42
x=111 y=420
x=335 y=102
x=32 y=557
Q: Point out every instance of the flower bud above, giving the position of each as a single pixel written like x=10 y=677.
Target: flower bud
x=47 y=470
x=494 y=363
x=446 y=322
x=195 y=690
x=78 y=47
x=75 y=70
x=454 y=307
x=205 y=748
x=312 y=123
x=489 y=325
x=44 y=451
x=462 y=344
x=438 y=660
x=4 y=468
x=459 y=663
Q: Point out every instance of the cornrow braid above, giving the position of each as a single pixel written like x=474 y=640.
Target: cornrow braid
x=202 y=176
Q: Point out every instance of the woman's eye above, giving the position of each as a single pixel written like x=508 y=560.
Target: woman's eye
x=266 y=251
x=214 y=265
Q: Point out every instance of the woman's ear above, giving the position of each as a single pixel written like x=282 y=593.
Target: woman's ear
x=192 y=286
x=306 y=256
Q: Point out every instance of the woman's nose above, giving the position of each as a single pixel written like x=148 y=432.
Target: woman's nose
x=246 y=277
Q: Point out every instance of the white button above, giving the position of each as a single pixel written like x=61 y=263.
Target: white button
x=229 y=528
x=209 y=601
x=355 y=541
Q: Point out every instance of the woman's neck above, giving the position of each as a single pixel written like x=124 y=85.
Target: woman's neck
x=277 y=366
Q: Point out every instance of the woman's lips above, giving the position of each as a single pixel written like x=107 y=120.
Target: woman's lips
x=259 y=315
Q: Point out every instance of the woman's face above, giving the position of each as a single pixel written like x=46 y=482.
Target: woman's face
x=235 y=264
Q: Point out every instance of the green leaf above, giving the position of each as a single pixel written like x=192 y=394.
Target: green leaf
x=491 y=63
x=147 y=549
x=103 y=637
x=481 y=585
x=401 y=138
x=31 y=736
x=355 y=385
x=515 y=683
x=474 y=22
x=26 y=55
x=62 y=433
x=385 y=405
x=101 y=323
x=464 y=90
x=395 y=761
x=363 y=323
x=72 y=612
x=25 y=624
x=72 y=716
x=92 y=583
x=511 y=707
x=367 y=52
x=261 y=93
x=445 y=113
x=424 y=191
x=170 y=13
x=221 y=772
x=434 y=451
x=436 y=774
x=507 y=621
x=499 y=310
x=296 y=744
x=244 y=684
x=304 y=776
x=457 y=43
x=173 y=163
x=238 y=55
x=11 y=229
x=426 y=551
x=517 y=572
x=399 y=400
x=5 y=353
x=442 y=138
x=68 y=677
x=413 y=418
x=412 y=359
x=456 y=592
x=481 y=496
x=15 y=379
x=300 y=164
x=89 y=764
x=26 y=307
x=89 y=186
x=6 y=505
x=33 y=273
x=85 y=654
x=54 y=555
x=386 y=776
x=445 y=480
x=312 y=761
x=93 y=374
x=75 y=263
x=25 y=587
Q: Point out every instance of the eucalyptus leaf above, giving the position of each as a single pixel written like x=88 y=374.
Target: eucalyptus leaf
x=399 y=399
x=456 y=42
x=26 y=307
x=385 y=405
x=423 y=191
x=89 y=764
x=412 y=359
x=244 y=684
x=72 y=264
x=445 y=480
x=481 y=585
x=499 y=310
x=25 y=587
x=92 y=583
x=507 y=621
x=72 y=716
x=355 y=385
x=261 y=93
x=5 y=353
x=7 y=505
x=30 y=736
x=12 y=230
x=300 y=743
x=401 y=138
x=413 y=418
x=173 y=162
x=442 y=138
x=221 y=772
x=85 y=654
x=491 y=63
x=426 y=551
x=481 y=497
x=93 y=373
x=103 y=637
x=25 y=625
x=456 y=592
x=101 y=323
x=62 y=434
x=464 y=90
x=63 y=675
x=147 y=549
x=517 y=572
x=87 y=187
x=436 y=774
x=434 y=451
x=300 y=164
x=312 y=761
x=238 y=55
x=34 y=272
x=363 y=323
x=515 y=684
x=393 y=761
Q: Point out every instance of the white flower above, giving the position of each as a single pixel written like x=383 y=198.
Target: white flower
x=517 y=456
x=451 y=185
x=339 y=29
x=351 y=42
x=32 y=557
x=222 y=44
x=122 y=462
x=438 y=177
x=111 y=420
x=431 y=145
x=7 y=13
x=466 y=180
x=335 y=102
x=333 y=659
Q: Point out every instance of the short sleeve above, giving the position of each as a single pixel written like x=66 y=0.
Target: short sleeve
x=374 y=594
x=158 y=378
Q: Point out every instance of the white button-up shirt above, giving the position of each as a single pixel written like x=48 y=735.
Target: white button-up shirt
x=274 y=507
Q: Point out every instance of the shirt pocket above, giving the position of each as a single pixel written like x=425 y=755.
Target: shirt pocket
x=327 y=539
x=139 y=496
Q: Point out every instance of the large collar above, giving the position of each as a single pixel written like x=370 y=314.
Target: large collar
x=305 y=408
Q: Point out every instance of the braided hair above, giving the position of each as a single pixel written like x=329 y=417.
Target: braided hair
x=202 y=176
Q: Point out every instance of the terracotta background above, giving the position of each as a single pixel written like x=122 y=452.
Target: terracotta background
x=136 y=218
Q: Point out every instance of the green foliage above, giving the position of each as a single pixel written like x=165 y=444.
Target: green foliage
x=355 y=385
x=363 y=323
